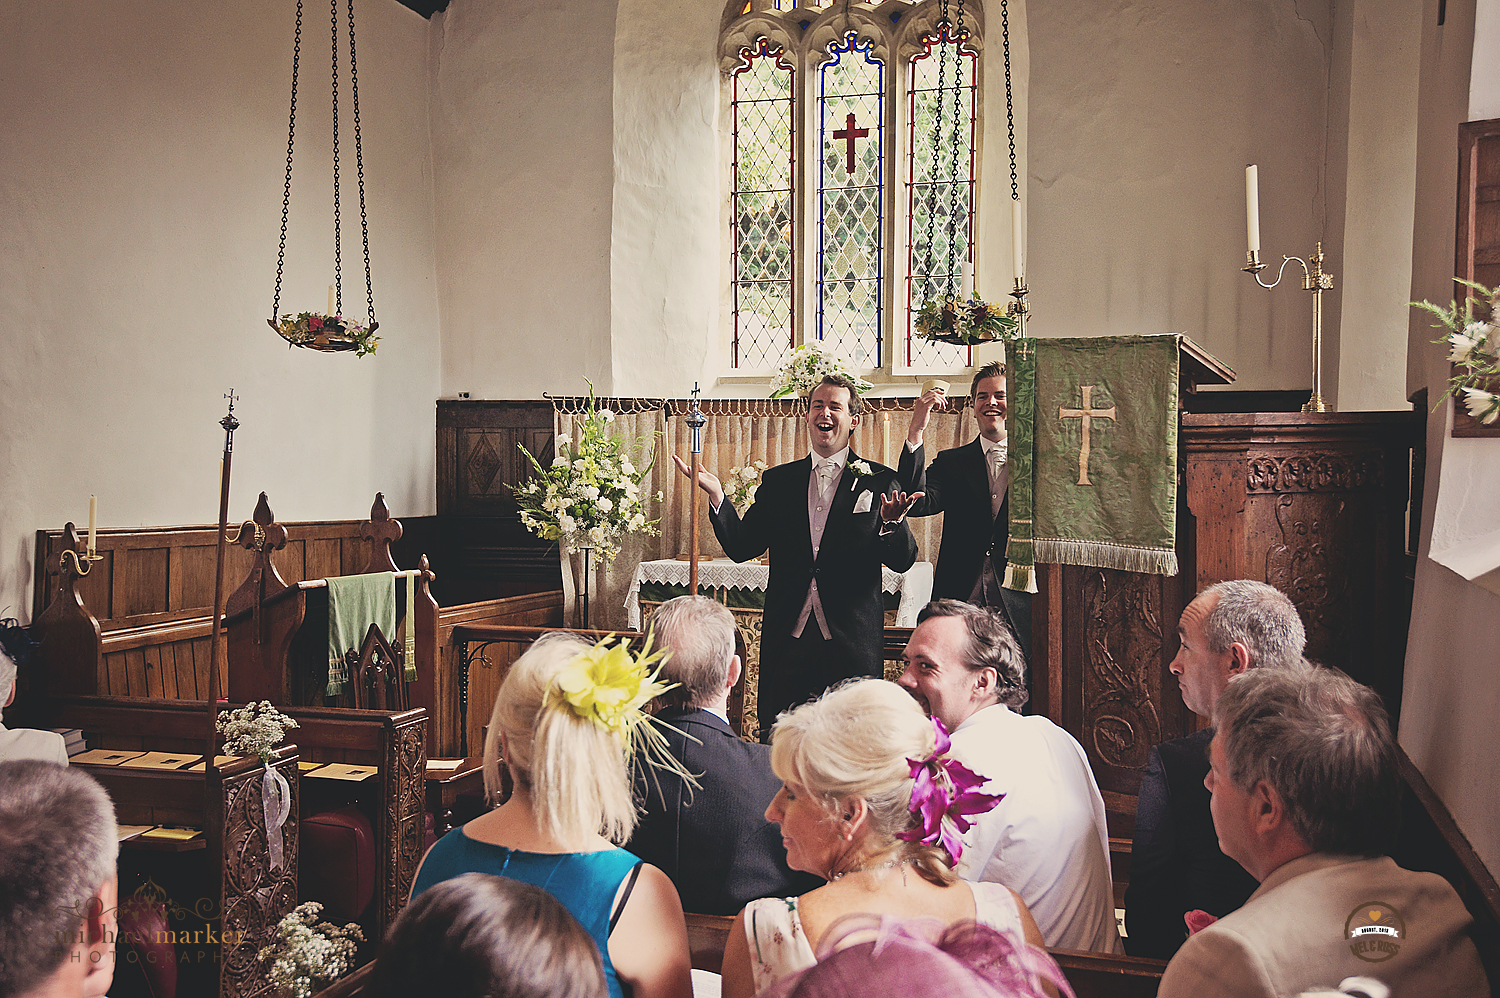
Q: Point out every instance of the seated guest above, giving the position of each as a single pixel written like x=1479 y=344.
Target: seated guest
x=22 y=743
x=564 y=720
x=482 y=936
x=920 y=957
x=715 y=843
x=58 y=843
x=1047 y=839
x=1305 y=797
x=872 y=802
x=1176 y=865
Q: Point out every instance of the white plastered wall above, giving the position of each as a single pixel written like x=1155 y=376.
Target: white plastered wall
x=1451 y=697
x=141 y=176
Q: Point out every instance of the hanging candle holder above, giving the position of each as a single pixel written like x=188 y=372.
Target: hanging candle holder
x=330 y=331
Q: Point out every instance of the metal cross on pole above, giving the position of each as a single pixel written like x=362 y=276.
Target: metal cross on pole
x=695 y=422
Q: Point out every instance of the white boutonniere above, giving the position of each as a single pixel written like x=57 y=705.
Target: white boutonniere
x=859 y=470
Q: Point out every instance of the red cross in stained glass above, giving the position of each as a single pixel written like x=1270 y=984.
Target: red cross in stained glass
x=849 y=133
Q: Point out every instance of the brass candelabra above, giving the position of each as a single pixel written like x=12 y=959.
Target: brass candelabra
x=1316 y=280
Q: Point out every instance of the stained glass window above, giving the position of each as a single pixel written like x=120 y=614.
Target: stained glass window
x=940 y=186
x=854 y=164
x=762 y=209
x=851 y=201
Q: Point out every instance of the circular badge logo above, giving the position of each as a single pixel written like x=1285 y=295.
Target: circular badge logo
x=1375 y=931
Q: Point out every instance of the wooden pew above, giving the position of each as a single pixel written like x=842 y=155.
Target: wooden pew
x=149 y=630
x=391 y=741
x=243 y=897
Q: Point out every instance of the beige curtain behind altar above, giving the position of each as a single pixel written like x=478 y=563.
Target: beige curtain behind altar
x=738 y=431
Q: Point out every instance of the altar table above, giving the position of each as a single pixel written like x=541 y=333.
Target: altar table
x=914 y=585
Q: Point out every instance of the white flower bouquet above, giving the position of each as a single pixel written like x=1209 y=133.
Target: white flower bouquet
x=1474 y=349
x=591 y=495
x=307 y=951
x=741 y=484
x=807 y=365
x=254 y=729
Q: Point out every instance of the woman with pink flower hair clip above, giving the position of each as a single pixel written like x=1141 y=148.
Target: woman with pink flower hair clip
x=566 y=719
x=872 y=801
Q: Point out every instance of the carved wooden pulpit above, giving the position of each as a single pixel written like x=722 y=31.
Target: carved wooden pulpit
x=1313 y=504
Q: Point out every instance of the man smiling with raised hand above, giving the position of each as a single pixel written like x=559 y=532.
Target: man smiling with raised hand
x=969 y=485
x=830 y=521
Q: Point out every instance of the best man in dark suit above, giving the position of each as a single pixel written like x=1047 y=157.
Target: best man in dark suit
x=714 y=842
x=830 y=520
x=968 y=485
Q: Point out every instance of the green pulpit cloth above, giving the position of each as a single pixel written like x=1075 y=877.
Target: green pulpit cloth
x=354 y=603
x=1097 y=417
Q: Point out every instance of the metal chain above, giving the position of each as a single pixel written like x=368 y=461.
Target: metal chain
x=1010 y=111
x=359 y=160
x=338 y=270
x=937 y=134
x=286 y=196
x=956 y=191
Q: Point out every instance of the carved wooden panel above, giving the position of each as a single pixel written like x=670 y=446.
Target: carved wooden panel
x=405 y=772
x=255 y=897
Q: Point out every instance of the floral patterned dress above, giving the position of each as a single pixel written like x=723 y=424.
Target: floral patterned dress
x=778 y=946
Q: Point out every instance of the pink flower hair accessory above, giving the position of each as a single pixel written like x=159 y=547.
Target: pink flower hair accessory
x=945 y=789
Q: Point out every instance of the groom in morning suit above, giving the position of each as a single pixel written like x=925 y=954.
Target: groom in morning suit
x=969 y=486
x=830 y=520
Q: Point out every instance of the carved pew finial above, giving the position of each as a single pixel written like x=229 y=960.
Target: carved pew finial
x=381 y=531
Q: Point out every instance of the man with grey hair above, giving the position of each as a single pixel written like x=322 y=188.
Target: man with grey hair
x=58 y=845
x=1175 y=864
x=714 y=842
x=1306 y=797
x=22 y=743
x=1046 y=839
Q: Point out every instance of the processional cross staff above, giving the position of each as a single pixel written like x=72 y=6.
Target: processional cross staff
x=695 y=421
x=1088 y=414
x=230 y=424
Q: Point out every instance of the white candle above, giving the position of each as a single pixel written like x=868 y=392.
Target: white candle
x=330 y=299
x=93 y=521
x=885 y=439
x=1252 y=207
x=1017 y=239
x=966 y=280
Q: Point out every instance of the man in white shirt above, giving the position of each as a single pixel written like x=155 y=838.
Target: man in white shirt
x=1047 y=839
x=22 y=743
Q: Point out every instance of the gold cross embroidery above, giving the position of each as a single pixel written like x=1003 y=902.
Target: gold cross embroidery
x=1088 y=414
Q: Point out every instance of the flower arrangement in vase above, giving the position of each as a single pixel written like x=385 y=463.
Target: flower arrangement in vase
x=590 y=496
x=1474 y=353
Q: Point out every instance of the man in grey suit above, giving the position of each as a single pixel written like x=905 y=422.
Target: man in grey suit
x=829 y=520
x=714 y=842
x=1306 y=797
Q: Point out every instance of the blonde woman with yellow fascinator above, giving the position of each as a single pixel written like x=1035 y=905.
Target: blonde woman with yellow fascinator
x=565 y=720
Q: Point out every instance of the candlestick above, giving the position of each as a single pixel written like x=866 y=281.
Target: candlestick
x=1017 y=241
x=1252 y=208
x=1316 y=280
x=93 y=521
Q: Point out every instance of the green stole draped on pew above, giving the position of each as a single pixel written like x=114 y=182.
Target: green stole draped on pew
x=1093 y=478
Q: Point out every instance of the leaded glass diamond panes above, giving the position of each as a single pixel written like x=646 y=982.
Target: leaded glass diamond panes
x=761 y=212
x=940 y=186
x=851 y=204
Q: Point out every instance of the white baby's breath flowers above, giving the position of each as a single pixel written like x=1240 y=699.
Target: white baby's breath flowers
x=306 y=951
x=254 y=729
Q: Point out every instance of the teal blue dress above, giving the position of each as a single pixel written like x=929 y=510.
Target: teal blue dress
x=585 y=882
